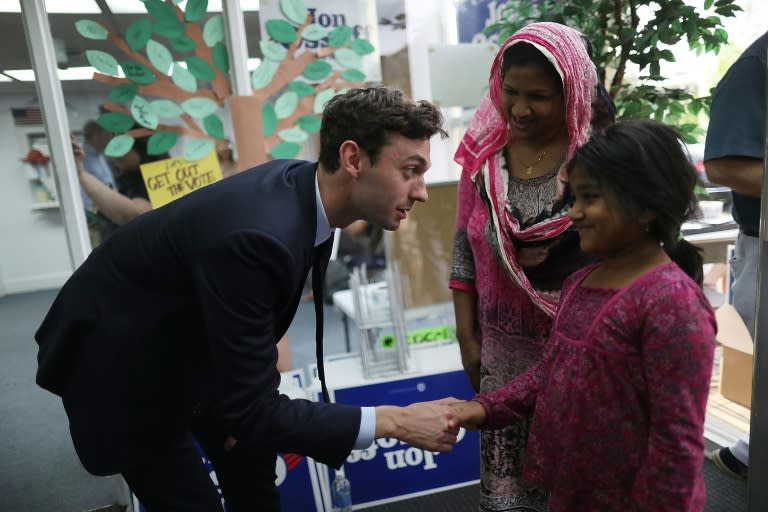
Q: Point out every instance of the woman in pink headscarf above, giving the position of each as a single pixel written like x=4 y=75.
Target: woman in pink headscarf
x=514 y=243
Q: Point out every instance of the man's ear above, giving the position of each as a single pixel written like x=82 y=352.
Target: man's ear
x=351 y=158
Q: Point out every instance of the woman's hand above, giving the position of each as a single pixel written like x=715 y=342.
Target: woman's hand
x=470 y=414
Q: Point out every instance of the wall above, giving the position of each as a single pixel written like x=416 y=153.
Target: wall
x=33 y=245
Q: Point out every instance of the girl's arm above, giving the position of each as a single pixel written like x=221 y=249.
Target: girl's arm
x=678 y=349
x=111 y=203
x=468 y=334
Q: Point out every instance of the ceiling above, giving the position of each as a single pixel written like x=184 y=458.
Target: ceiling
x=14 y=53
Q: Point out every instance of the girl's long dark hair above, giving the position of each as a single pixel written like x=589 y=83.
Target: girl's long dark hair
x=645 y=167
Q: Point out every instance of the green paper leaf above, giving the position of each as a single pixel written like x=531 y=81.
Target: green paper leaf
x=91 y=30
x=143 y=114
x=272 y=50
x=213 y=30
x=160 y=10
x=119 y=146
x=309 y=123
x=263 y=74
x=195 y=9
x=213 y=126
x=137 y=72
x=123 y=93
x=268 y=119
x=115 y=122
x=285 y=150
x=183 y=43
x=296 y=135
x=199 y=68
x=138 y=33
x=361 y=46
x=195 y=149
x=159 y=56
x=281 y=31
x=353 y=75
x=321 y=99
x=161 y=142
x=301 y=88
x=317 y=70
x=314 y=32
x=294 y=10
x=348 y=58
x=102 y=61
x=199 y=107
x=170 y=29
x=165 y=108
x=221 y=57
x=339 y=36
x=183 y=78
x=286 y=104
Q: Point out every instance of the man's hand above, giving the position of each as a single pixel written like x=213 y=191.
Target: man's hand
x=470 y=414
x=430 y=426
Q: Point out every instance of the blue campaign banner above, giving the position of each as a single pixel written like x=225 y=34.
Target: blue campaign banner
x=389 y=468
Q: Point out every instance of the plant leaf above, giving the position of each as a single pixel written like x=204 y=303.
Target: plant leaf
x=195 y=149
x=322 y=98
x=119 y=146
x=268 y=119
x=137 y=72
x=143 y=115
x=301 y=88
x=314 y=32
x=183 y=78
x=309 y=123
x=293 y=135
x=195 y=9
x=281 y=31
x=183 y=43
x=348 y=58
x=165 y=108
x=362 y=46
x=170 y=29
x=199 y=68
x=285 y=150
x=221 y=57
x=102 y=61
x=213 y=126
x=199 y=107
x=159 y=56
x=317 y=70
x=160 y=142
x=294 y=10
x=123 y=93
x=272 y=50
x=353 y=75
x=339 y=36
x=263 y=74
x=286 y=104
x=115 y=122
x=91 y=30
x=213 y=30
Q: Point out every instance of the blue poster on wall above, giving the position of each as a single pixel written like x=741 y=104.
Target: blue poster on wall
x=390 y=469
x=473 y=16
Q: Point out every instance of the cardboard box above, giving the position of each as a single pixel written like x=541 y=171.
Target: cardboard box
x=736 y=362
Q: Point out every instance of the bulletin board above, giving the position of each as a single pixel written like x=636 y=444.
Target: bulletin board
x=423 y=245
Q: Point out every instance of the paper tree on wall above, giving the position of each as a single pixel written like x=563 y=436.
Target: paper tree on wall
x=290 y=87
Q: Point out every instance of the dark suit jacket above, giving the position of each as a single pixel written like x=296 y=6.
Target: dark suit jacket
x=181 y=309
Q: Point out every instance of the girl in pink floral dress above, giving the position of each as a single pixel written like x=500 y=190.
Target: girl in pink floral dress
x=618 y=400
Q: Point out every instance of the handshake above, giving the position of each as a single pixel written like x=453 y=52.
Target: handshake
x=431 y=426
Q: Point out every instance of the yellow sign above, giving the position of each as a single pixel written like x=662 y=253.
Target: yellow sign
x=172 y=178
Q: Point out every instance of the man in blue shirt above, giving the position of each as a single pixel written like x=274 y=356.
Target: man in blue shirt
x=733 y=156
x=95 y=163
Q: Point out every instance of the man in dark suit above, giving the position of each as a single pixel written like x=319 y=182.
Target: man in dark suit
x=168 y=330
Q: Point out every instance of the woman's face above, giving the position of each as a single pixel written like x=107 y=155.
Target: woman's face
x=533 y=102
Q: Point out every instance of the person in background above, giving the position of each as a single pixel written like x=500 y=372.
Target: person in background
x=619 y=398
x=96 y=164
x=226 y=158
x=168 y=331
x=733 y=156
x=131 y=198
x=514 y=243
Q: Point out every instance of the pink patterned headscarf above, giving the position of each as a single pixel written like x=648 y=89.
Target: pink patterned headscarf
x=478 y=153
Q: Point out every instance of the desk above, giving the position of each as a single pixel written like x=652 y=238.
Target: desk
x=713 y=239
x=344 y=302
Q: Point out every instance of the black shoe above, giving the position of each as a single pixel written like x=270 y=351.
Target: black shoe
x=728 y=464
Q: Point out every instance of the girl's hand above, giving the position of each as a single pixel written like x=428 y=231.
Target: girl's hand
x=470 y=414
x=532 y=256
